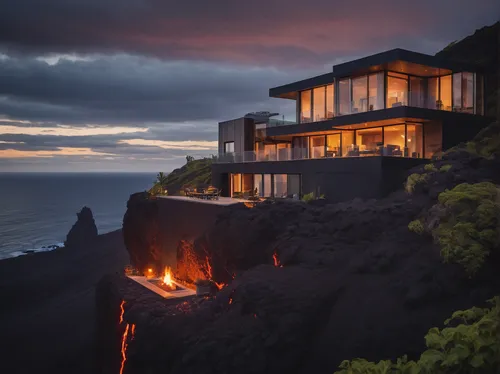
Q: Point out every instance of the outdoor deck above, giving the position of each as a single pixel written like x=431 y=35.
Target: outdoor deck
x=220 y=201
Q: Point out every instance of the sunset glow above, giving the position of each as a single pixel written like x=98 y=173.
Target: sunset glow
x=193 y=145
x=61 y=151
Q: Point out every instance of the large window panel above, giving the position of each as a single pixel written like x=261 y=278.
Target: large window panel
x=247 y=183
x=468 y=92
x=394 y=140
x=417 y=93
x=305 y=106
x=267 y=186
x=280 y=185
x=330 y=101
x=368 y=142
x=293 y=187
x=257 y=184
x=457 y=92
x=347 y=142
x=376 y=91
x=432 y=93
x=317 y=146
x=319 y=104
x=397 y=91
x=333 y=145
x=414 y=143
x=359 y=91
x=445 y=92
x=344 y=96
x=235 y=184
x=284 y=151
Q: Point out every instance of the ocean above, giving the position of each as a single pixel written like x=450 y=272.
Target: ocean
x=38 y=209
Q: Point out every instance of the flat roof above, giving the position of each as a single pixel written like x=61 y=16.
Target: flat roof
x=398 y=60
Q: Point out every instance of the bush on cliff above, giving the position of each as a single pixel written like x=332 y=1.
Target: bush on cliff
x=470 y=344
x=469 y=229
x=413 y=180
x=416 y=226
x=193 y=174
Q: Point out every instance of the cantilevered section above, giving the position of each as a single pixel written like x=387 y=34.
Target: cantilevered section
x=401 y=61
x=290 y=91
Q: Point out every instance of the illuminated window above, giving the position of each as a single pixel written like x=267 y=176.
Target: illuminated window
x=344 y=96
x=394 y=140
x=280 y=185
x=414 y=142
x=305 y=106
x=417 y=92
x=397 y=90
x=347 y=142
x=359 y=98
x=267 y=185
x=368 y=142
x=235 y=184
x=376 y=91
x=432 y=93
x=319 y=103
x=333 y=145
x=317 y=146
x=445 y=93
x=283 y=151
x=330 y=101
x=457 y=92
x=257 y=184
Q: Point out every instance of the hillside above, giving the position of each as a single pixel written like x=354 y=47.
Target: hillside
x=193 y=174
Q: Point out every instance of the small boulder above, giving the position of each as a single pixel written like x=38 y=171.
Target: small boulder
x=84 y=231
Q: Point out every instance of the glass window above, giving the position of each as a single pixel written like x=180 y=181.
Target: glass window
x=359 y=91
x=394 y=140
x=432 y=93
x=319 y=103
x=229 y=147
x=344 y=97
x=333 y=145
x=257 y=183
x=330 y=101
x=235 y=183
x=368 y=142
x=445 y=92
x=305 y=106
x=293 y=187
x=457 y=92
x=376 y=91
x=417 y=92
x=283 y=151
x=414 y=143
x=269 y=152
x=397 y=91
x=317 y=146
x=468 y=92
x=347 y=142
x=247 y=182
x=300 y=148
x=280 y=185
x=267 y=186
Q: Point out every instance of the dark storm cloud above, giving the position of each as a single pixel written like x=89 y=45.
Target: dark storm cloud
x=259 y=31
x=131 y=90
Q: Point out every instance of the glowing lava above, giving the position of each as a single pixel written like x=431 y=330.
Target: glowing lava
x=276 y=260
x=167 y=277
x=122 y=311
x=125 y=344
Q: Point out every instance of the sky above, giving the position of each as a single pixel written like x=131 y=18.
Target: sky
x=136 y=85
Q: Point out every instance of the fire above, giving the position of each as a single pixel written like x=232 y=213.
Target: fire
x=276 y=259
x=230 y=300
x=122 y=311
x=167 y=277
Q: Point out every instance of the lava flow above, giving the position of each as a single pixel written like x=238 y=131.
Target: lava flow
x=122 y=311
x=208 y=269
x=276 y=260
x=125 y=345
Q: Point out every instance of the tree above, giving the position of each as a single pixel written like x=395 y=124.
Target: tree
x=160 y=184
x=189 y=159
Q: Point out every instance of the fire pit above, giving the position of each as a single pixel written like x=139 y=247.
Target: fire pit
x=166 y=283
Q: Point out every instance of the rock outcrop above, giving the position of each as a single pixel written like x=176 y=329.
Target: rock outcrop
x=316 y=285
x=84 y=231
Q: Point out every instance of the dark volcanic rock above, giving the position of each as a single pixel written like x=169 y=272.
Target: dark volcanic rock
x=84 y=231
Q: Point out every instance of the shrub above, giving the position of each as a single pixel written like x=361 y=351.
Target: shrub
x=472 y=346
x=470 y=228
x=445 y=168
x=308 y=197
x=429 y=167
x=416 y=227
x=413 y=180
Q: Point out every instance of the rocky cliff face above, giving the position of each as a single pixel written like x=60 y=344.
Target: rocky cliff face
x=316 y=285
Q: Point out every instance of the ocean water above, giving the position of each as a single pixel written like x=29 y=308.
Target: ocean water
x=38 y=209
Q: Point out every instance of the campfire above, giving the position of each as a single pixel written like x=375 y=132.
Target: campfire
x=166 y=282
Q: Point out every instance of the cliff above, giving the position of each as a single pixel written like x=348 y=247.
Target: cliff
x=317 y=285
x=193 y=174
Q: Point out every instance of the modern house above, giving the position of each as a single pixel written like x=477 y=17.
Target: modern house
x=358 y=128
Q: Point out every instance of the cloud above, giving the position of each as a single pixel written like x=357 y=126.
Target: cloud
x=63 y=151
x=69 y=130
x=184 y=145
x=8 y=142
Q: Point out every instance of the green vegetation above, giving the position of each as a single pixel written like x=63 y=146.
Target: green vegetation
x=413 y=180
x=308 y=197
x=445 y=168
x=159 y=185
x=470 y=228
x=416 y=226
x=473 y=346
x=195 y=173
x=429 y=167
